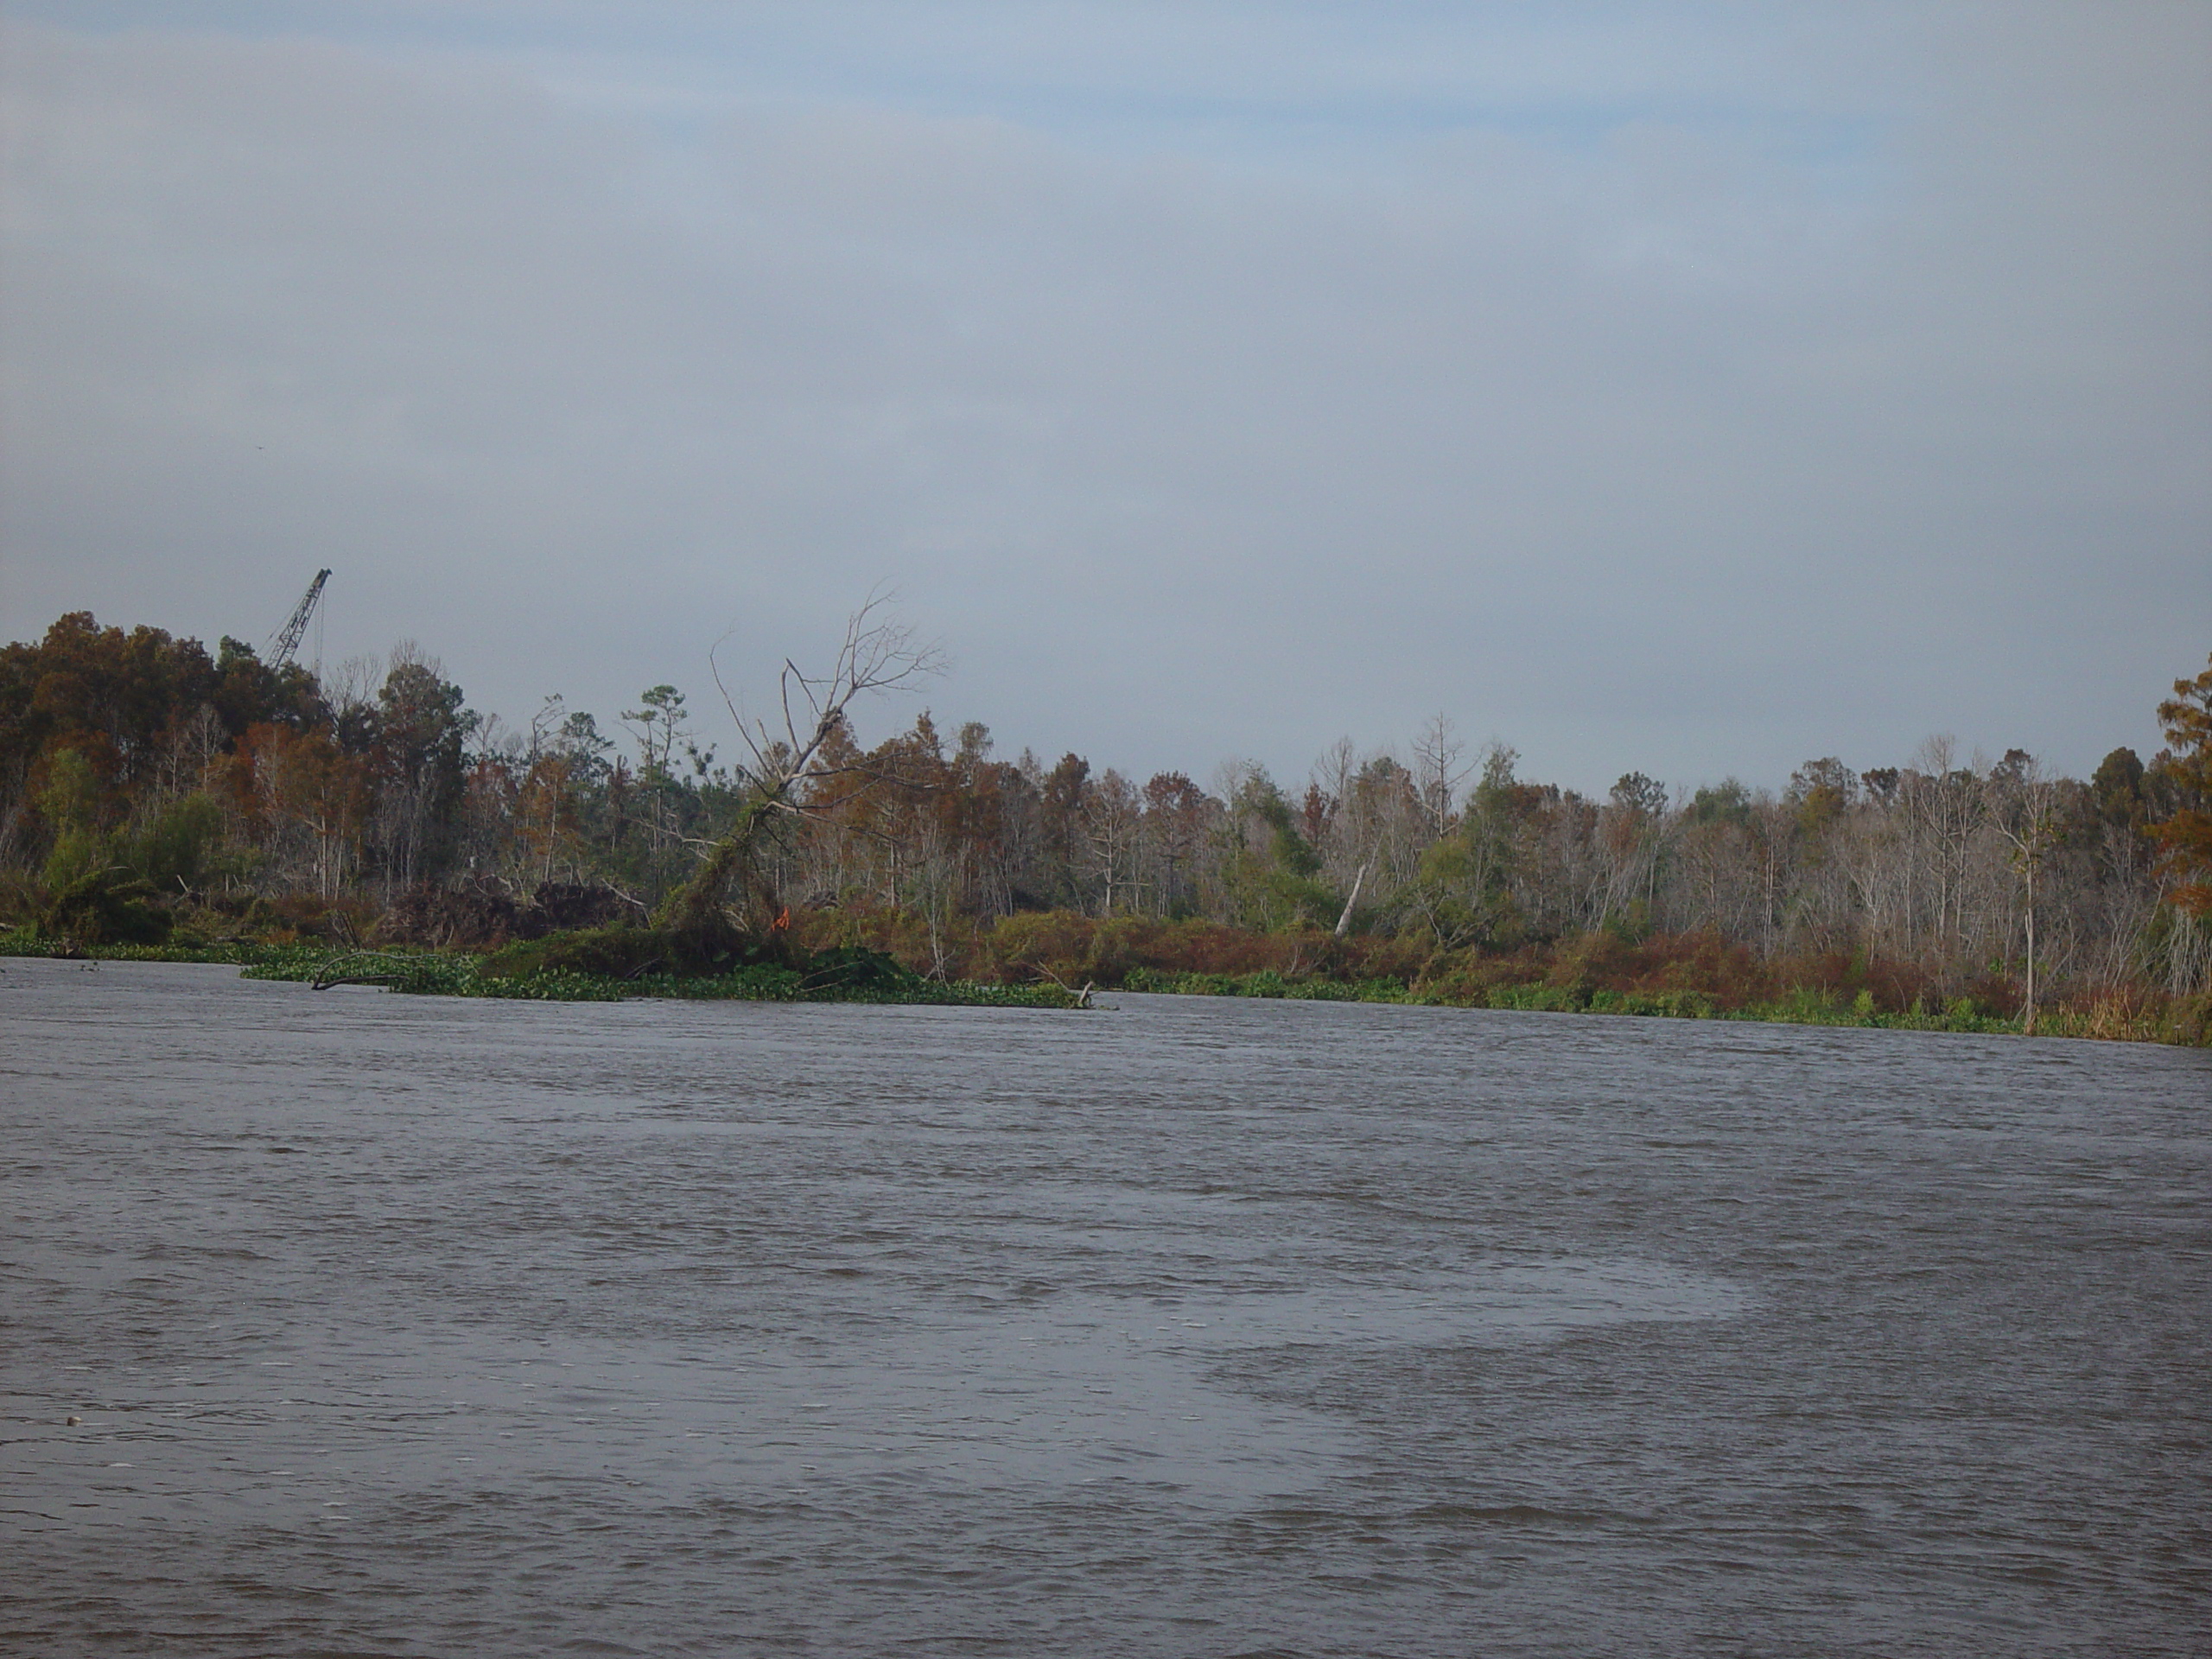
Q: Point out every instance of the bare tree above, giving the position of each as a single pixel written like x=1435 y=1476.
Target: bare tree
x=1112 y=819
x=936 y=870
x=2029 y=826
x=879 y=653
x=1436 y=755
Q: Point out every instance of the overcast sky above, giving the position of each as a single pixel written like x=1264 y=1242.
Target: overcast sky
x=1690 y=388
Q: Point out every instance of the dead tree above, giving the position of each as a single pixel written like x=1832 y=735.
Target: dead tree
x=879 y=654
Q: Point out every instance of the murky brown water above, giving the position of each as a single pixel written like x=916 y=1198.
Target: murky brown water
x=411 y=1326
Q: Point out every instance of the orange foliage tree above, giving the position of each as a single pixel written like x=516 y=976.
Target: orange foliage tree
x=303 y=800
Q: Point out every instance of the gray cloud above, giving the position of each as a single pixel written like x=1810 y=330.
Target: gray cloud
x=1798 y=396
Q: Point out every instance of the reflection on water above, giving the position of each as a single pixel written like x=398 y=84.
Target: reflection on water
x=423 y=1326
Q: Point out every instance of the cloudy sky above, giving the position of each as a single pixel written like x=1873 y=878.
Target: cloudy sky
x=1695 y=388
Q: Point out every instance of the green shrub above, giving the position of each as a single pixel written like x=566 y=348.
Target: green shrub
x=105 y=904
x=606 y=952
x=854 y=967
x=177 y=850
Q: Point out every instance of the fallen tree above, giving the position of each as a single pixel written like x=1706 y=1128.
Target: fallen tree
x=731 y=900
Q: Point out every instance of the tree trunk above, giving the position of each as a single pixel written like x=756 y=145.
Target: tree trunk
x=1344 y=922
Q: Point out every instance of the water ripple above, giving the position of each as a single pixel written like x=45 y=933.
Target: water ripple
x=420 y=1326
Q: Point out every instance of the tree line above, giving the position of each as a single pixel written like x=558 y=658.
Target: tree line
x=143 y=780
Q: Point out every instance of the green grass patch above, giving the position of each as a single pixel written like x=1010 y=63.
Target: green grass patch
x=1799 y=1007
x=849 y=975
x=1267 y=983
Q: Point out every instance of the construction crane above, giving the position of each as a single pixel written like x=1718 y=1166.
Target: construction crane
x=286 y=640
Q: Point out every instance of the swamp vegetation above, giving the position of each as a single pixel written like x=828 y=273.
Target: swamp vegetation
x=156 y=800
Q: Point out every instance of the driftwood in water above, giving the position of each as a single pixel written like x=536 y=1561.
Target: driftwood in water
x=1076 y=999
x=329 y=974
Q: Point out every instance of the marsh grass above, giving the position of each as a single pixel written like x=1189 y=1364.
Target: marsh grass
x=858 y=975
x=851 y=976
x=2113 y=1017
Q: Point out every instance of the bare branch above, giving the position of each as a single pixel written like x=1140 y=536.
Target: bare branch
x=877 y=653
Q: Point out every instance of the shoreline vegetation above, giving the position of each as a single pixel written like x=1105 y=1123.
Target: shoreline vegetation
x=160 y=802
x=1600 y=978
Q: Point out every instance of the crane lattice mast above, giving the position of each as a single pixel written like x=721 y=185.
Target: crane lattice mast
x=288 y=638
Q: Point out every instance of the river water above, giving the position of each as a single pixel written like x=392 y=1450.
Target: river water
x=420 y=1326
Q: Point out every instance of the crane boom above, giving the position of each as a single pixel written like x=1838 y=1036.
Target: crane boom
x=288 y=638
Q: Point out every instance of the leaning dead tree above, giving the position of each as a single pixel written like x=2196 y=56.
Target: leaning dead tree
x=879 y=654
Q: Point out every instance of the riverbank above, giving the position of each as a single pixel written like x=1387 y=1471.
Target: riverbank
x=849 y=976
x=859 y=974
x=2113 y=1020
